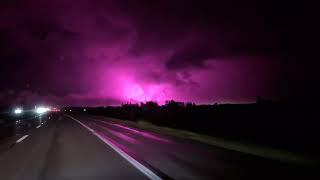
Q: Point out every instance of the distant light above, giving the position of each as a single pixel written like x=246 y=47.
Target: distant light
x=84 y=110
x=55 y=109
x=18 y=111
x=41 y=110
x=70 y=110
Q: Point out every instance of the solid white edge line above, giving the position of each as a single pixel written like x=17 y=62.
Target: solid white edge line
x=22 y=138
x=135 y=163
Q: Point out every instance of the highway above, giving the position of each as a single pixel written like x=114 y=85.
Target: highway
x=80 y=146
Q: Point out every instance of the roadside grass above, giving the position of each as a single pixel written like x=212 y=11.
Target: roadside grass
x=265 y=152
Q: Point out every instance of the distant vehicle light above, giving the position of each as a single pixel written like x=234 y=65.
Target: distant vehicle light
x=18 y=111
x=70 y=110
x=41 y=110
x=55 y=110
x=84 y=110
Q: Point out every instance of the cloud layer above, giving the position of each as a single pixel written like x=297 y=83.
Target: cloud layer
x=94 y=52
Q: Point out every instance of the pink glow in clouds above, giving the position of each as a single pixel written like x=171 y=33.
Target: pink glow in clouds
x=144 y=92
x=126 y=86
x=92 y=53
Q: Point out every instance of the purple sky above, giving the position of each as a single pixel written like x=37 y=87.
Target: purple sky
x=94 y=52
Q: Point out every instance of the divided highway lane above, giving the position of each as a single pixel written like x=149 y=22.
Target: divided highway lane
x=63 y=149
x=183 y=159
x=86 y=147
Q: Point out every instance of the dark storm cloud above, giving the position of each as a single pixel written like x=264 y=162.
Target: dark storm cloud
x=220 y=22
x=70 y=35
x=190 y=57
x=129 y=50
x=207 y=29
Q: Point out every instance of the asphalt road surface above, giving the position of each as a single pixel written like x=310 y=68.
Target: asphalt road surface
x=88 y=147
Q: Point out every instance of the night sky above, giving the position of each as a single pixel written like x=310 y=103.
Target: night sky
x=99 y=52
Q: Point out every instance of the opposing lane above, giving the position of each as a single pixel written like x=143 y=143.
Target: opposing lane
x=64 y=150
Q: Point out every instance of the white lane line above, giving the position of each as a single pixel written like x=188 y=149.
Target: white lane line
x=135 y=163
x=22 y=138
x=38 y=126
